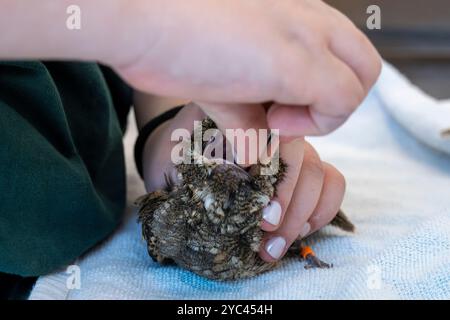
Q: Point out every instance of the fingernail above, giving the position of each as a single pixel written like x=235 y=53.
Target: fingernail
x=306 y=229
x=275 y=247
x=272 y=213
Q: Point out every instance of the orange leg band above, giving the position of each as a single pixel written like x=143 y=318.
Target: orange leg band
x=306 y=251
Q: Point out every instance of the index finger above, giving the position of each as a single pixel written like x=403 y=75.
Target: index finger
x=292 y=153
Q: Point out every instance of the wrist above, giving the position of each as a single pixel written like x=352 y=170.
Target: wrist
x=153 y=159
x=146 y=139
x=115 y=30
x=132 y=27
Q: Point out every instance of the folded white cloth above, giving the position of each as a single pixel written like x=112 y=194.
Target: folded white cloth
x=397 y=195
x=424 y=117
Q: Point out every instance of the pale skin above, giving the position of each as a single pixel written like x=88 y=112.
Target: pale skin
x=302 y=59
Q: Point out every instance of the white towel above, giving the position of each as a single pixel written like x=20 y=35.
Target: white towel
x=398 y=195
x=424 y=117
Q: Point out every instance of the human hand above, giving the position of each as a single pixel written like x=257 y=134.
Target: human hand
x=307 y=199
x=305 y=57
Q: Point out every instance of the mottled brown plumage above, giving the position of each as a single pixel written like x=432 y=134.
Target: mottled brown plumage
x=210 y=221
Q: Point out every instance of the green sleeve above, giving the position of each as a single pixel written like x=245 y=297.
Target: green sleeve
x=62 y=186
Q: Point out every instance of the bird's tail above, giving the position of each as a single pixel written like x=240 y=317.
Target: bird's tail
x=342 y=222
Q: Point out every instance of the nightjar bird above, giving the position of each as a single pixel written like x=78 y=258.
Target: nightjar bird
x=209 y=221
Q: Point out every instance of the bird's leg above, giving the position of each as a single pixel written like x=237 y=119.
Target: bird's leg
x=311 y=259
x=307 y=254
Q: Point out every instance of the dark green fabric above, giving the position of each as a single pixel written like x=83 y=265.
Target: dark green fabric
x=13 y=287
x=62 y=185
